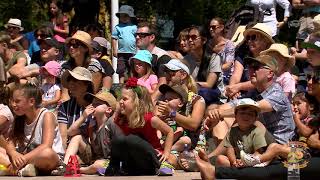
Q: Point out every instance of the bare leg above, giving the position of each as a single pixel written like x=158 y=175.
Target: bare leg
x=220 y=150
x=220 y=131
x=207 y=170
x=273 y=151
x=76 y=144
x=4 y=158
x=179 y=145
x=46 y=161
x=222 y=161
x=93 y=168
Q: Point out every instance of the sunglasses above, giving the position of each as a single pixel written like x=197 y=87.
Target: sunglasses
x=74 y=44
x=193 y=37
x=42 y=36
x=257 y=66
x=314 y=79
x=251 y=37
x=142 y=35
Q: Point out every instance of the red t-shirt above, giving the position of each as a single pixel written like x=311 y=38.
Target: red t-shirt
x=147 y=132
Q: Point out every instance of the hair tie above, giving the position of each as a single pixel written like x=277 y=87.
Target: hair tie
x=132 y=83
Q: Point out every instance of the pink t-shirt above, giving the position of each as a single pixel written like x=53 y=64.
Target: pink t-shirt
x=147 y=83
x=287 y=82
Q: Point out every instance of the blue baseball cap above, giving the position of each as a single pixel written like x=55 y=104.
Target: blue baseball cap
x=143 y=55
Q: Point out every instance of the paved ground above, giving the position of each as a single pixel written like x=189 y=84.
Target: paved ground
x=179 y=175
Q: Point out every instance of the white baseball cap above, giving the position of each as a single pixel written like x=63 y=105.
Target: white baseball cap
x=176 y=64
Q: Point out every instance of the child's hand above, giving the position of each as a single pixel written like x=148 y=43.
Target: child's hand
x=164 y=108
x=18 y=160
x=89 y=110
x=238 y=163
x=164 y=156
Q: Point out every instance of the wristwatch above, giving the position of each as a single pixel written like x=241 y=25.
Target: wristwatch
x=173 y=114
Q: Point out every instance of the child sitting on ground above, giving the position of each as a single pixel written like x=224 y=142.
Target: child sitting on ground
x=177 y=98
x=245 y=138
x=93 y=150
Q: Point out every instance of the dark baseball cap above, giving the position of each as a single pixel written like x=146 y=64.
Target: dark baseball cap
x=51 y=42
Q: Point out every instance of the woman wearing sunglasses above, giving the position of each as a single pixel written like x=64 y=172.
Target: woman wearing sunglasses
x=222 y=46
x=257 y=38
x=80 y=50
x=205 y=66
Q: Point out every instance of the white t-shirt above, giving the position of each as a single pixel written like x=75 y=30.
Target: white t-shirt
x=49 y=92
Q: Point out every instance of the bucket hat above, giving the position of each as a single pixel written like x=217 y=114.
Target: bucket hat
x=106 y=97
x=247 y=102
x=282 y=50
x=15 y=23
x=177 y=89
x=262 y=29
x=144 y=56
x=79 y=73
x=82 y=36
x=125 y=9
x=52 y=67
x=175 y=65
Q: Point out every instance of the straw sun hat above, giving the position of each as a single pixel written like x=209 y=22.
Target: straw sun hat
x=283 y=51
x=14 y=23
x=262 y=29
x=82 y=36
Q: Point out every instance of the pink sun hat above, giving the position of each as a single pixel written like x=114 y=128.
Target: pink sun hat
x=52 y=67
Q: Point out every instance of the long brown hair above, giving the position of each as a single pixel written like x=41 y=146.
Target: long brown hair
x=30 y=90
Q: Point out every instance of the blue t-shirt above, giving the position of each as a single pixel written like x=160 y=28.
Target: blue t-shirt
x=124 y=33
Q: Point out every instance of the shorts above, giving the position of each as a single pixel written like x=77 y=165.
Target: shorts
x=86 y=154
x=123 y=63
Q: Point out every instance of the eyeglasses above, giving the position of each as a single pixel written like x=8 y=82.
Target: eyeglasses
x=251 y=37
x=74 y=44
x=142 y=35
x=213 y=26
x=193 y=37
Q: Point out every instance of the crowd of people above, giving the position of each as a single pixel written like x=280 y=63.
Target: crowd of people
x=251 y=95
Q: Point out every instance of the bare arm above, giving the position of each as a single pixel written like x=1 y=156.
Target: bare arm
x=211 y=81
x=96 y=78
x=16 y=69
x=304 y=130
x=53 y=101
x=192 y=122
x=64 y=135
x=231 y=155
x=49 y=124
x=115 y=47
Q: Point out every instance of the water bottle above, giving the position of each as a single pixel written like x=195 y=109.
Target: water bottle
x=188 y=156
x=293 y=166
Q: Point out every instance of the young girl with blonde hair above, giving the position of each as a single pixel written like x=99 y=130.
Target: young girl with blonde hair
x=139 y=149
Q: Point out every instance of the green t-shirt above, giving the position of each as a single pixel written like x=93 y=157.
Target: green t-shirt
x=16 y=55
x=252 y=140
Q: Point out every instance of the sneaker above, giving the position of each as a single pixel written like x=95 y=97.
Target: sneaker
x=28 y=171
x=166 y=169
x=250 y=160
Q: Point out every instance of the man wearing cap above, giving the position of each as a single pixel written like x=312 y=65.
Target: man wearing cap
x=275 y=107
x=313 y=49
x=146 y=38
x=49 y=51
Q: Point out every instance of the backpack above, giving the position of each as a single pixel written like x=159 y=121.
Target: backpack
x=245 y=15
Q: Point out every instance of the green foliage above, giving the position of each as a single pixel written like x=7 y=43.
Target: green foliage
x=30 y=12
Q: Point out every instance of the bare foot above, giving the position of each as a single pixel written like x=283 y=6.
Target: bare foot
x=207 y=170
